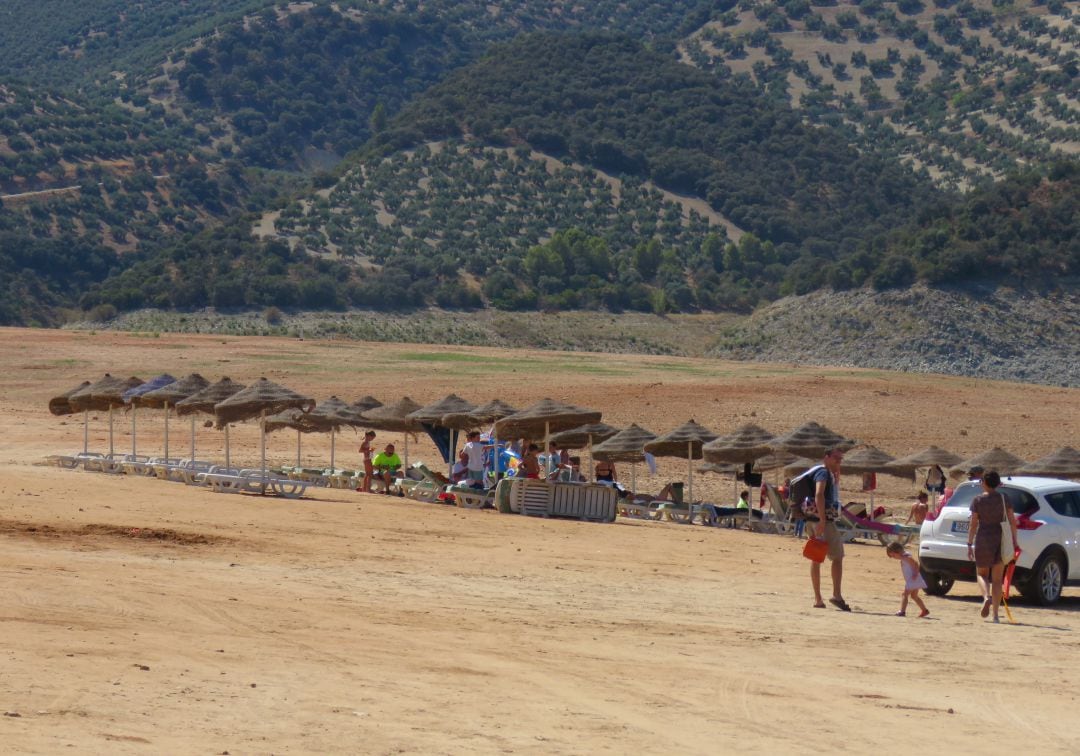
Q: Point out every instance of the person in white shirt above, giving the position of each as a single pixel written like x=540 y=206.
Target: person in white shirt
x=474 y=450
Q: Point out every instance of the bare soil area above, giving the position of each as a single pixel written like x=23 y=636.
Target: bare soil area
x=142 y=616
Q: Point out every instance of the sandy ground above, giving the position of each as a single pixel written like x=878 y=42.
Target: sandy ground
x=148 y=617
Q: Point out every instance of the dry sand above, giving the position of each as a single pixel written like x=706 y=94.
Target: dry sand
x=147 y=617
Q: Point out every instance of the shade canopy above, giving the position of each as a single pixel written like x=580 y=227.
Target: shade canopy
x=546 y=416
x=721 y=468
x=867 y=459
x=433 y=414
x=332 y=414
x=627 y=445
x=263 y=397
x=584 y=435
x=206 y=399
x=393 y=417
x=747 y=444
x=132 y=395
x=994 y=459
x=365 y=403
x=811 y=440
x=687 y=439
x=799 y=466
x=928 y=457
x=774 y=461
x=105 y=393
x=61 y=405
x=1063 y=463
x=290 y=419
x=494 y=410
x=174 y=392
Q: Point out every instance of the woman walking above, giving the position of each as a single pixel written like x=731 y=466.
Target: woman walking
x=988 y=512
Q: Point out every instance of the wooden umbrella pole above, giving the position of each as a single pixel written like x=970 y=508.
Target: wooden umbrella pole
x=690 y=471
x=406 y=450
x=590 y=473
x=633 y=478
x=86 y=431
x=132 y=430
x=193 y=439
x=110 y=432
x=262 y=448
x=298 y=448
x=166 y=431
x=227 y=465
x=332 y=468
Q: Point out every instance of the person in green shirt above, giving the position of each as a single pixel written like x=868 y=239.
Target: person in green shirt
x=386 y=465
x=744 y=500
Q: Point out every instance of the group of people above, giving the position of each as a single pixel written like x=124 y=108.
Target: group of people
x=989 y=513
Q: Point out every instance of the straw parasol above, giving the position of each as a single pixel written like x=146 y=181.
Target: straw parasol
x=583 y=436
x=103 y=395
x=1063 y=463
x=869 y=459
x=799 y=465
x=331 y=415
x=720 y=468
x=431 y=417
x=628 y=445
x=261 y=398
x=291 y=419
x=486 y=413
x=775 y=461
x=746 y=445
x=204 y=401
x=366 y=403
x=686 y=440
x=169 y=395
x=394 y=417
x=928 y=457
x=546 y=416
x=810 y=440
x=61 y=405
x=132 y=395
x=994 y=459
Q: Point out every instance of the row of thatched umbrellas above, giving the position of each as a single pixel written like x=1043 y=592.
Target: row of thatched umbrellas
x=568 y=426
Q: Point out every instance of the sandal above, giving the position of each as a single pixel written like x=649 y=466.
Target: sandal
x=924 y=613
x=985 y=608
x=840 y=604
x=901 y=614
x=819 y=606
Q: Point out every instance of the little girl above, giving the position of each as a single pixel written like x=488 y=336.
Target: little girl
x=913 y=580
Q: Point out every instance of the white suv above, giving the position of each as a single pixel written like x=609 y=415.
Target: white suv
x=1048 y=517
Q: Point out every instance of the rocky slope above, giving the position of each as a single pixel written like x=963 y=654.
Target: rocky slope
x=980 y=332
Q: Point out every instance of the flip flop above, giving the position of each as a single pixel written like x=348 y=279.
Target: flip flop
x=819 y=606
x=985 y=612
x=840 y=604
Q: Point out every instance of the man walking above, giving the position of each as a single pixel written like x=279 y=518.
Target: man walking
x=827 y=503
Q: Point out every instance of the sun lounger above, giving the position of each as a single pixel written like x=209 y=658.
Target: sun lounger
x=253 y=481
x=113 y=464
x=72 y=461
x=468 y=497
x=852 y=526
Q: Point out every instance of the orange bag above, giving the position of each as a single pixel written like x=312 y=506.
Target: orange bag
x=816 y=549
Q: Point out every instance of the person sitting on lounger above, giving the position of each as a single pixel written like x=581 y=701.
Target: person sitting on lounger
x=386 y=464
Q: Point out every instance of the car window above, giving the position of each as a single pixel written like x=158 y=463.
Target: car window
x=1022 y=502
x=1065 y=503
x=963 y=496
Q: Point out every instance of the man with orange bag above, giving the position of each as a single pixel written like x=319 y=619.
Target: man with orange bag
x=827 y=505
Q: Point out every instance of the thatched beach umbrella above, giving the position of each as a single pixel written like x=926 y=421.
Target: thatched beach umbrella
x=684 y=441
x=583 y=437
x=720 y=468
x=869 y=459
x=260 y=399
x=928 y=457
x=547 y=416
x=365 y=403
x=61 y=405
x=799 y=465
x=811 y=440
x=394 y=417
x=204 y=401
x=746 y=445
x=1063 y=463
x=103 y=395
x=994 y=459
x=167 y=396
x=775 y=461
x=331 y=415
x=430 y=417
x=132 y=395
x=482 y=415
x=628 y=445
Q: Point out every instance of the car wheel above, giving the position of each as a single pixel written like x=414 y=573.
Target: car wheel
x=937 y=584
x=1047 y=578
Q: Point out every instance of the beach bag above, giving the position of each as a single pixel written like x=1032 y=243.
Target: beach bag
x=816 y=549
x=1008 y=548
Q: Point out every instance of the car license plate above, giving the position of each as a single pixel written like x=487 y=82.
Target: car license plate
x=960 y=526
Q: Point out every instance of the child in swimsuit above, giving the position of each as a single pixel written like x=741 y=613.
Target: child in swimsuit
x=913 y=579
